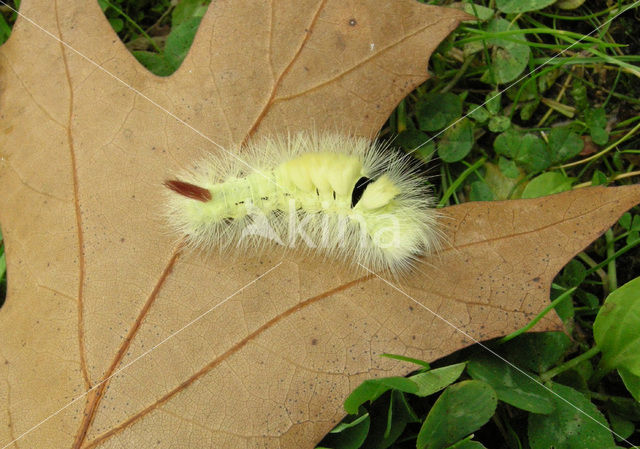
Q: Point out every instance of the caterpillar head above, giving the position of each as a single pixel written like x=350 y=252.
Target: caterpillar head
x=369 y=194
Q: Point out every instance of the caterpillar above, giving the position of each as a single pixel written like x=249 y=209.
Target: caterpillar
x=342 y=196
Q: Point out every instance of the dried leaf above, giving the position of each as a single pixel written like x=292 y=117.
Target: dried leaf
x=96 y=282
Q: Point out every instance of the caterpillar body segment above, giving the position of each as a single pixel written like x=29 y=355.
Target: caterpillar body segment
x=342 y=196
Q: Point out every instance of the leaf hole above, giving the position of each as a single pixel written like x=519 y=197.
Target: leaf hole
x=160 y=37
x=8 y=16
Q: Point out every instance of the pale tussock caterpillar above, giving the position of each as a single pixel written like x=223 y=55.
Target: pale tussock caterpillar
x=342 y=196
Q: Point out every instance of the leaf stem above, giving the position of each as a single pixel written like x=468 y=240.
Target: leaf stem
x=465 y=65
x=606 y=150
x=615 y=255
x=613 y=178
x=538 y=317
x=611 y=266
x=455 y=184
x=600 y=272
x=546 y=376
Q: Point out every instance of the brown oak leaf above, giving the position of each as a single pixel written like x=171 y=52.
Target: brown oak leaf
x=114 y=337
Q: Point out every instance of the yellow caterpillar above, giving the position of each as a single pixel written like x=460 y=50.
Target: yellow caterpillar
x=340 y=195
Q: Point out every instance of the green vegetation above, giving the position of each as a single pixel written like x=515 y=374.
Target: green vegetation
x=525 y=102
